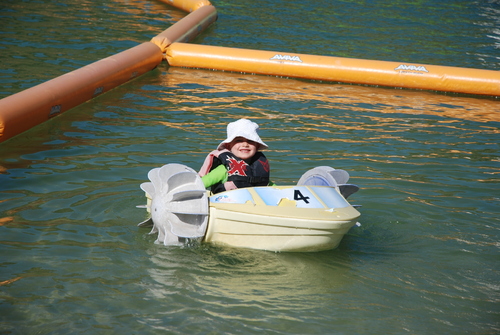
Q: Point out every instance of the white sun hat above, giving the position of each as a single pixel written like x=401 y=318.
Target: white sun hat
x=243 y=128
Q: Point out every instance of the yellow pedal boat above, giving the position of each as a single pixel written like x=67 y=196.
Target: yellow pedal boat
x=301 y=218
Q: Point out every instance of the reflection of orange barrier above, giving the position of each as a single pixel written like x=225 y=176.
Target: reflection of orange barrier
x=187 y=28
x=26 y=109
x=187 y=5
x=387 y=101
x=337 y=69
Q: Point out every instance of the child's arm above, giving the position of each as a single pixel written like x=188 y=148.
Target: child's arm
x=217 y=175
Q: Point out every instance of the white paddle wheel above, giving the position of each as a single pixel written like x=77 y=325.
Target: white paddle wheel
x=177 y=202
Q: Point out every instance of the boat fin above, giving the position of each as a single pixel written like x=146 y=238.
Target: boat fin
x=340 y=176
x=146 y=223
x=149 y=189
x=324 y=176
x=154 y=176
x=188 y=195
x=189 y=225
x=181 y=180
x=319 y=176
x=348 y=189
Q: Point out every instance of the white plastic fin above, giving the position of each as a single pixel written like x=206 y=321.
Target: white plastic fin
x=171 y=239
x=148 y=188
x=324 y=176
x=340 y=176
x=146 y=223
x=181 y=179
x=188 y=195
x=318 y=176
x=189 y=225
x=154 y=176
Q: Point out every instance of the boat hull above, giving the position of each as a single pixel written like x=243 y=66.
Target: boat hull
x=282 y=222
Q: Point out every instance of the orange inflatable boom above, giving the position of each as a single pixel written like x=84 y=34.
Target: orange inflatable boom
x=188 y=28
x=337 y=69
x=187 y=5
x=24 y=110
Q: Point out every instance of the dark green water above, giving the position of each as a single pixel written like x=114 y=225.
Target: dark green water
x=424 y=261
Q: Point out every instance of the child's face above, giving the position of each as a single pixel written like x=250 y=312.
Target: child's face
x=243 y=148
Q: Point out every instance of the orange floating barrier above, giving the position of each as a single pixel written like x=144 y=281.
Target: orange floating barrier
x=24 y=110
x=187 y=5
x=337 y=69
x=187 y=28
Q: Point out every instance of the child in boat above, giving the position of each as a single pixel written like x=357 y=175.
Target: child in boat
x=237 y=162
